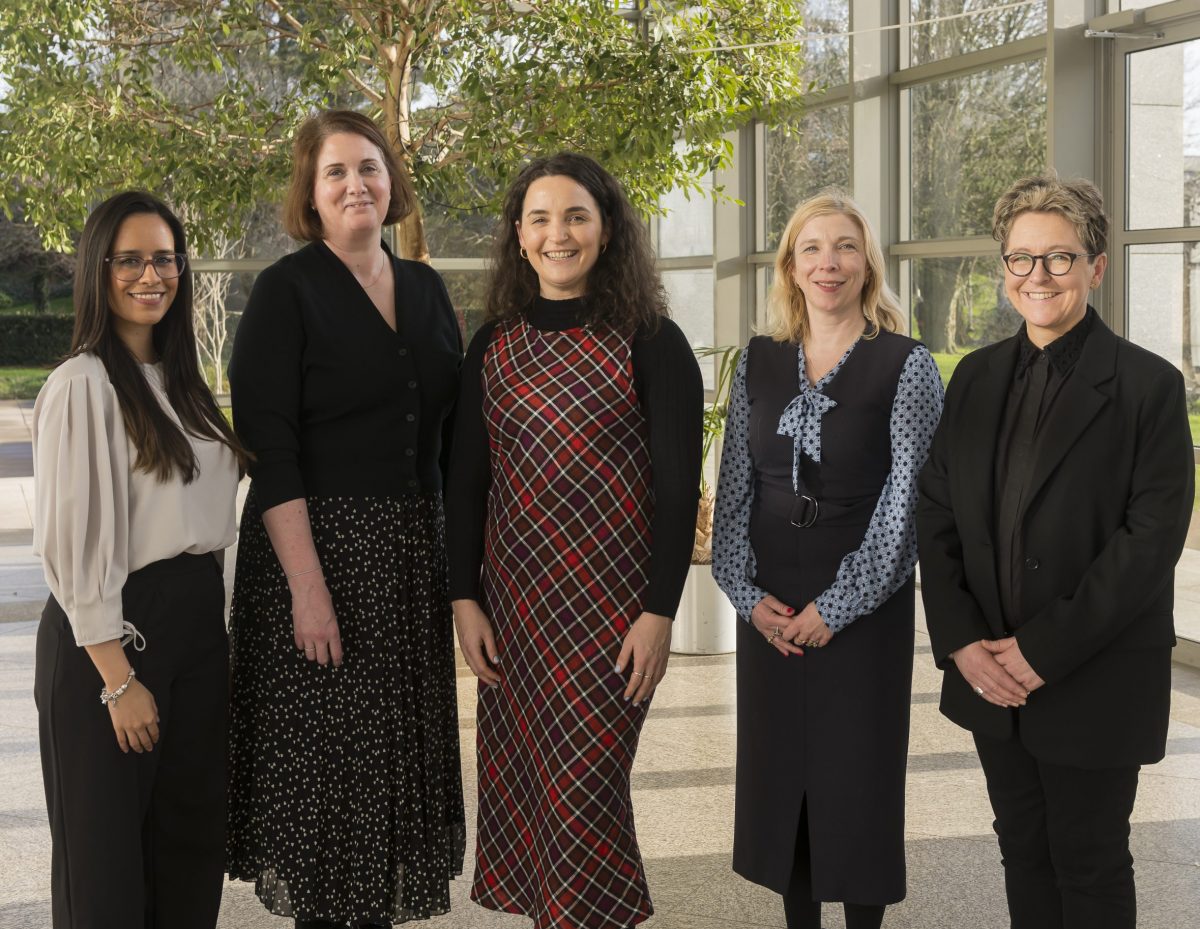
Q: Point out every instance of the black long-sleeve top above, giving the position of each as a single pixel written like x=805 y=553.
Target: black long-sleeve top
x=671 y=395
x=329 y=399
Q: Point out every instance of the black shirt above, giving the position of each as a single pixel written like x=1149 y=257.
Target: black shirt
x=329 y=399
x=1037 y=380
x=671 y=394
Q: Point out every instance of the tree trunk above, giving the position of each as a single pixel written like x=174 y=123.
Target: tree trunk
x=935 y=306
x=397 y=102
x=41 y=290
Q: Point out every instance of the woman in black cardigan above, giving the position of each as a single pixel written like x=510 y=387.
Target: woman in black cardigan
x=346 y=800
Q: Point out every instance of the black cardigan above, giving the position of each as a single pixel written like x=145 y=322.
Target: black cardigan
x=329 y=399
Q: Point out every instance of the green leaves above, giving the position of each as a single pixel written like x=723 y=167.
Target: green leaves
x=198 y=100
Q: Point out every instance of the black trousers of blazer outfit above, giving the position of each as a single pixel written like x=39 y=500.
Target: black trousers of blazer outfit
x=138 y=840
x=1102 y=526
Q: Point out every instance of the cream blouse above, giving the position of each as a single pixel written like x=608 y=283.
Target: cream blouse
x=96 y=519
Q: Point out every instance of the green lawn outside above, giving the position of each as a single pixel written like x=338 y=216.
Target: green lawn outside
x=21 y=383
x=59 y=306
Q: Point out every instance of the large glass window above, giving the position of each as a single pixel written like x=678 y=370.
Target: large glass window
x=452 y=232
x=811 y=153
x=467 y=294
x=957 y=305
x=691 y=297
x=970 y=136
x=686 y=229
x=1164 y=137
x=827 y=60
x=986 y=28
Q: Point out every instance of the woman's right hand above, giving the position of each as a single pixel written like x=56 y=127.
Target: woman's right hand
x=987 y=677
x=476 y=639
x=770 y=617
x=314 y=621
x=134 y=717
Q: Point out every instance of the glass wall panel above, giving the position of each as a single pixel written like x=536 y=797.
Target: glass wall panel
x=969 y=138
x=814 y=152
x=687 y=228
x=1164 y=316
x=467 y=292
x=691 y=296
x=957 y=305
x=1164 y=137
x=827 y=60
x=219 y=297
x=987 y=28
x=457 y=233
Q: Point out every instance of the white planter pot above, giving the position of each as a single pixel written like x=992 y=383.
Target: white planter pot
x=706 y=623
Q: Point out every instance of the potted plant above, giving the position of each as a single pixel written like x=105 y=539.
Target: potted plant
x=706 y=623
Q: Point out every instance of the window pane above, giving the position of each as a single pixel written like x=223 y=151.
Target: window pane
x=1164 y=137
x=687 y=228
x=970 y=138
x=455 y=233
x=813 y=155
x=827 y=60
x=691 y=296
x=218 y=299
x=467 y=292
x=957 y=305
x=1164 y=316
x=986 y=29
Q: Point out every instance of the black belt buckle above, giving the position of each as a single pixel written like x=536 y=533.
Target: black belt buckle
x=804 y=511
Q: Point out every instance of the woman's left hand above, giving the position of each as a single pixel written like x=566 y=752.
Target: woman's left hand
x=647 y=646
x=808 y=628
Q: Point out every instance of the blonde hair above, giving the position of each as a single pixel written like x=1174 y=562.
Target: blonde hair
x=787 y=312
x=1078 y=201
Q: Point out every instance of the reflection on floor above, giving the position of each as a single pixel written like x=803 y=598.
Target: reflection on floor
x=683 y=796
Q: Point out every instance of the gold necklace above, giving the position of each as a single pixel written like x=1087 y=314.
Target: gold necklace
x=378 y=274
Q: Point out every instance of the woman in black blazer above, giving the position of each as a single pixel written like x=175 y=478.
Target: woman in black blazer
x=1053 y=508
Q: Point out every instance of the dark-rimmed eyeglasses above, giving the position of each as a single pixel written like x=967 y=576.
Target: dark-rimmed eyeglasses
x=132 y=267
x=1056 y=263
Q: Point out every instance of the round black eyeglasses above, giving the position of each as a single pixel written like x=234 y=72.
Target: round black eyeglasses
x=1056 y=263
x=132 y=267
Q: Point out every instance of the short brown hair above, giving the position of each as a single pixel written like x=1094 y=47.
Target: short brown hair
x=787 y=310
x=1078 y=201
x=300 y=220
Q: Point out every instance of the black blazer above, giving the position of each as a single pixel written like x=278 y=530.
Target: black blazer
x=1105 y=522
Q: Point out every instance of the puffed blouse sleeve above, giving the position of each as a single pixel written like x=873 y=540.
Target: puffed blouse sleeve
x=81 y=502
x=875 y=570
x=733 y=565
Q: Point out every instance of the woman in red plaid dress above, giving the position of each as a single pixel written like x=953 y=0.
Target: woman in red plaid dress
x=570 y=514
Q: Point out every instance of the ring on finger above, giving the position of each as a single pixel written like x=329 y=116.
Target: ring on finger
x=979 y=691
x=775 y=635
x=638 y=673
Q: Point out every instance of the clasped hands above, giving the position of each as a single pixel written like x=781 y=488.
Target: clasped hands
x=997 y=671
x=787 y=630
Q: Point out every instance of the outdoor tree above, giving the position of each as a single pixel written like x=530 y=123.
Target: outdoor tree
x=198 y=99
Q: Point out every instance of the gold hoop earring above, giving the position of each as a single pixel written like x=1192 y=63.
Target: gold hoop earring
x=524 y=254
x=603 y=248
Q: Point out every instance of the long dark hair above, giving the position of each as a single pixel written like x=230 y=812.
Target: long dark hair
x=162 y=448
x=624 y=292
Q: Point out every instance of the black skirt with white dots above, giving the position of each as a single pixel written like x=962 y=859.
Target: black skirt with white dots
x=346 y=796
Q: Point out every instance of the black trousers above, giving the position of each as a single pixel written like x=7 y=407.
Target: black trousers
x=139 y=839
x=1064 y=839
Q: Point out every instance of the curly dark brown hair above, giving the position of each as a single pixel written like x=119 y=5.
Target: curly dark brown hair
x=625 y=292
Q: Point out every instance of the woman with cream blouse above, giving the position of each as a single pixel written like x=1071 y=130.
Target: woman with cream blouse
x=135 y=476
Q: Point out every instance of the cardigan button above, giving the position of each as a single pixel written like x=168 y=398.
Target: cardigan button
x=412 y=385
x=402 y=352
x=411 y=482
x=410 y=452
x=1032 y=564
x=410 y=417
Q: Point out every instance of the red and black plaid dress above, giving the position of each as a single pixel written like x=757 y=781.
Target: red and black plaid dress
x=565 y=573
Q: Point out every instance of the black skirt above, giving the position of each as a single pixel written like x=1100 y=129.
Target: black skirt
x=831 y=726
x=346 y=795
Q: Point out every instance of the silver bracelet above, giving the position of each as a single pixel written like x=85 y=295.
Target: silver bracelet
x=106 y=698
x=298 y=573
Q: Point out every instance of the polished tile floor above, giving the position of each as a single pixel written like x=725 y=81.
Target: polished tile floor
x=683 y=796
